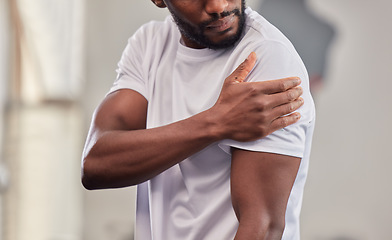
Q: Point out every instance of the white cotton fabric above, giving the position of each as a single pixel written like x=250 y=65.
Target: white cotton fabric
x=191 y=200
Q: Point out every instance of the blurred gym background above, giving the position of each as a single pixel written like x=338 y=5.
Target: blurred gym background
x=58 y=60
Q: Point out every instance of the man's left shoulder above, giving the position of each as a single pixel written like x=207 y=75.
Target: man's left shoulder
x=259 y=30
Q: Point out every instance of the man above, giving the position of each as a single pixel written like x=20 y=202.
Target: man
x=214 y=148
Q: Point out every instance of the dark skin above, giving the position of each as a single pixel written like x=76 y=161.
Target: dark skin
x=121 y=152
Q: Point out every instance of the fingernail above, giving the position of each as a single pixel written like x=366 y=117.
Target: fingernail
x=300 y=90
x=296 y=80
x=250 y=55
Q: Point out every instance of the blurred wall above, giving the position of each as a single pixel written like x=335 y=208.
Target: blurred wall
x=348 y=194
x=4 y=64
x=4 y=73
x=43 y=200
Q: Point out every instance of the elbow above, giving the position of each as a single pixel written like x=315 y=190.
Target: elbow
x=89 y=176
x=96 y=174
x=261 y=228
x=274 y=230
x=87 y=183
x=270 y=230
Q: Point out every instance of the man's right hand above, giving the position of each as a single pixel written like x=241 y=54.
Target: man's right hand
x=247 y=111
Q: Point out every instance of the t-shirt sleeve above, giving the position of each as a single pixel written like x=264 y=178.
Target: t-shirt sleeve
x=275 y=61
x=130 y=71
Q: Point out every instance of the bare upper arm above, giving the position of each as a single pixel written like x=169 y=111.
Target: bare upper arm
x=121 y=110
x=261 y=184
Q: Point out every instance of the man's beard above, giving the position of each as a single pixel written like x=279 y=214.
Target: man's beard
x=196 y=34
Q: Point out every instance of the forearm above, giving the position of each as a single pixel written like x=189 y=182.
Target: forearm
x=124 y=158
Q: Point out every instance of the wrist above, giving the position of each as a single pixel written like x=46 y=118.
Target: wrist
x=210 y=125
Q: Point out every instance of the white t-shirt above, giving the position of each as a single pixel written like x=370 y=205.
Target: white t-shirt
x=191 y=200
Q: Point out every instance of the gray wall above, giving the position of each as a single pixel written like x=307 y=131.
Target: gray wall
x=348 y=192
x=4 y=73
x=4 y=63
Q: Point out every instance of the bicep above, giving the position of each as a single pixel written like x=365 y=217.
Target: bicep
x=121 y=110
x=261 y=184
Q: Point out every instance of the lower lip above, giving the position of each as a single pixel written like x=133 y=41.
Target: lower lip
x=226 y=24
